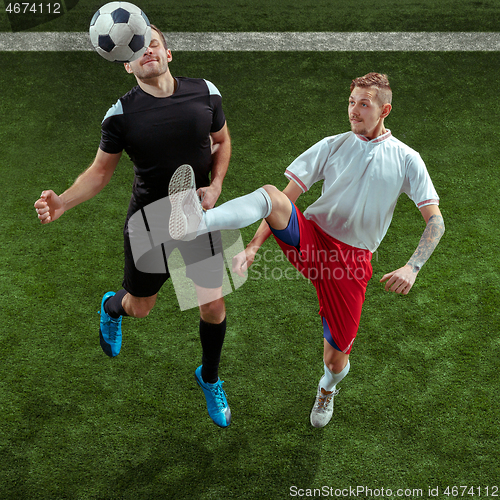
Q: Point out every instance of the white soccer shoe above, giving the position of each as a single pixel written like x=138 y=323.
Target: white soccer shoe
x=322 y=410
x=187 y=212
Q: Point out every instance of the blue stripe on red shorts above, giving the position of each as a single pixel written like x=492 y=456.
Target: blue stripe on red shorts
x=328 y=336
x=290 y=235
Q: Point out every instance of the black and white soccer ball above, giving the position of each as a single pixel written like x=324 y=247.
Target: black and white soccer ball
x=120 y=32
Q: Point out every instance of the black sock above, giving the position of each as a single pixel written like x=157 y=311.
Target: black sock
x=113 y=306
x=212 y=338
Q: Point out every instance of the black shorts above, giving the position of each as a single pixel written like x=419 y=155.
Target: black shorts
x=202 y=258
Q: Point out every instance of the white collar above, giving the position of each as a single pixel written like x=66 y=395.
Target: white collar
x=380 y=138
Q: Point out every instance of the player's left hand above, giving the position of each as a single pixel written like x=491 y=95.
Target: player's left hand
x=400 y=281
x=208 y=196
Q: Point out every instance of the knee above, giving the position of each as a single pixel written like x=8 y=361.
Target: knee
x=335 y=367
x=271 y=189
x=273 y=192
x=213 y=312
x=280 y=204
x=139 y=308
x=336 y=363
x=141 y=311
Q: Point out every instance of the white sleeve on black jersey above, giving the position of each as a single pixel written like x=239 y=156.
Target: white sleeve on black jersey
x=110 y=130
x=219 y=118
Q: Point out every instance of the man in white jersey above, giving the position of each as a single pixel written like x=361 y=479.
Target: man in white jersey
x=364 y=172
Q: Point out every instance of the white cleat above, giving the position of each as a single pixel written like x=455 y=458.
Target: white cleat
x=187 y=212
x=322 y=410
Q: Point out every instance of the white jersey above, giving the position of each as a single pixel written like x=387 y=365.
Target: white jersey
x=363 y=180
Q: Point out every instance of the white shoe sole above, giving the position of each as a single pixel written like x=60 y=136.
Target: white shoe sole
x=180 y=187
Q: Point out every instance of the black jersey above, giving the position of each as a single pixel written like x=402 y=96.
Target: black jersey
x=160 y=134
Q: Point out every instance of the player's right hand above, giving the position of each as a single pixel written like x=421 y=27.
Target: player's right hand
x=49 y=207
x=242 y=261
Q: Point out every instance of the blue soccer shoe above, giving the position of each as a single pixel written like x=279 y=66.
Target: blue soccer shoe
x=110 y=330
x=217 y=406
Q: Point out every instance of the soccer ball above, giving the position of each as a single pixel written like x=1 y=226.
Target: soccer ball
x=120 y=32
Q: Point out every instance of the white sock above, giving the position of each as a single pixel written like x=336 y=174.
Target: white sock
x=329 y=380
x=240 y=212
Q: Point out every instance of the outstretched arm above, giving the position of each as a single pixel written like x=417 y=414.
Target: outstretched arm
x=50 y=206
x=402 y=280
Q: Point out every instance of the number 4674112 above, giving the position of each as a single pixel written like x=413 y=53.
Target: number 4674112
x=33 y=8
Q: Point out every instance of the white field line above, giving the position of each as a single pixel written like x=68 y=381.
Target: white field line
x=273 y=41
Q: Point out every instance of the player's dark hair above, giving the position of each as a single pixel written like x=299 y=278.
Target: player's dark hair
x=162 y=36
x=377 y=80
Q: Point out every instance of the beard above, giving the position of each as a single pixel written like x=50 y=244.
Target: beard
x=358 y=128
x=148 y=71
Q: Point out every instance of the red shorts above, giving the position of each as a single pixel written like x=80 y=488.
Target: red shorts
x=340 y=274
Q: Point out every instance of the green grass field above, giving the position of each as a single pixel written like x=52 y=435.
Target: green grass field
x=420 y=408
x=290 y=15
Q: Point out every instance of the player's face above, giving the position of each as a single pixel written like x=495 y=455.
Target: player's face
x=365 y=113
x=154 y=62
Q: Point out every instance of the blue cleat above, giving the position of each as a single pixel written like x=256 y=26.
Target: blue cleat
x=110 y=330
x=217 y=406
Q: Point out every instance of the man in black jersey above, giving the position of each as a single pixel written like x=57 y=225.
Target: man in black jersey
x=162 y=123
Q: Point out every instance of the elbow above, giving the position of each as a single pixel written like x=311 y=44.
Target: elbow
x=442 y=225
x=436 y=225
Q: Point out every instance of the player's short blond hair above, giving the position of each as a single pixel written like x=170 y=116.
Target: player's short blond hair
x=377 y=80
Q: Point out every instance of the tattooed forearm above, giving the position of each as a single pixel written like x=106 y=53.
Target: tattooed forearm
x=430 y=238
